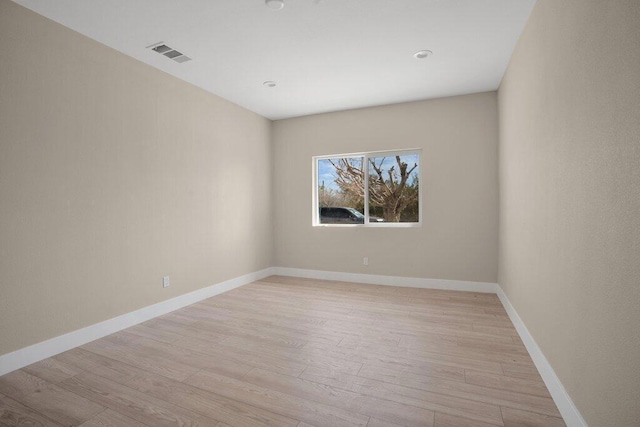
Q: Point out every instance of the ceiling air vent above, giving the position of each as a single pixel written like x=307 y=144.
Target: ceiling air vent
x=169 y=52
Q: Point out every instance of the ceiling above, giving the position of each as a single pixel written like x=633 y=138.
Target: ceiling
x=324 y=55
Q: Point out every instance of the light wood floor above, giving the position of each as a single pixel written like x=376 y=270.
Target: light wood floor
x=296 y=352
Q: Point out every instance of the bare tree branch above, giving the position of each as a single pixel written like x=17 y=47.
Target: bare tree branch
x=390 y=194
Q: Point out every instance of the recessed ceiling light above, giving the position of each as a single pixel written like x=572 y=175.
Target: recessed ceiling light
x=274 y=4
x=269 y=83
x=421 y=54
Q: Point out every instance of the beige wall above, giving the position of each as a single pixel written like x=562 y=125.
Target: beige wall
x=112 y=175
x=458 y=239
x=570 y=198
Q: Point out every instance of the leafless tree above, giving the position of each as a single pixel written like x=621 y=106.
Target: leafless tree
x=332 y=197
x=387 y=188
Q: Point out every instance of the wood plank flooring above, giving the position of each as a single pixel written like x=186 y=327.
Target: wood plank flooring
x=296 y=352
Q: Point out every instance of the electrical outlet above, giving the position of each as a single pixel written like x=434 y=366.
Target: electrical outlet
x=165 y=282
x=365 y=261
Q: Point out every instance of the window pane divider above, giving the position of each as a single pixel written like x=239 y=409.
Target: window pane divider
x=365 y=169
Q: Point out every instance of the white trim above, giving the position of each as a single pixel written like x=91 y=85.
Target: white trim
x=34 y=353
x=374 y=225
x=567 y=408
x=372 y=279
x=368 y=153
x=315 y=211
x=25 y=356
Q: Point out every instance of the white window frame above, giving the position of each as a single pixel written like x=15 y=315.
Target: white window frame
x=366 y=156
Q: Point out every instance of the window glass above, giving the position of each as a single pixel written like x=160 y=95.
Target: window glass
x=341 y=188
x=372 y=189
x=394 y=188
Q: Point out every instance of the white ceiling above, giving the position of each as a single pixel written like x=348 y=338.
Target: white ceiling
x=325 y=55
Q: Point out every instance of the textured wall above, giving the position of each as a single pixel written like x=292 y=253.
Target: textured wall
x=112 y=175
x=570 y=198
x=458 y=239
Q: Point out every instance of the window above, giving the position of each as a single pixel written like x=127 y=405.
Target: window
x=368 y=189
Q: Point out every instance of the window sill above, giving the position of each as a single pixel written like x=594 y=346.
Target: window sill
x=374 y=225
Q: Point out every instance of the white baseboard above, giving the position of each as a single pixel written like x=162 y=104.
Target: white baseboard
x=372 y=279
x=567 y=408
x=34 y=353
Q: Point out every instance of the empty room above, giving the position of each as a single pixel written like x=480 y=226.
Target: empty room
x=376 y=213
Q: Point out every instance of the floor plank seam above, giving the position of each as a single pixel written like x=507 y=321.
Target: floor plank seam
x=274 y=347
